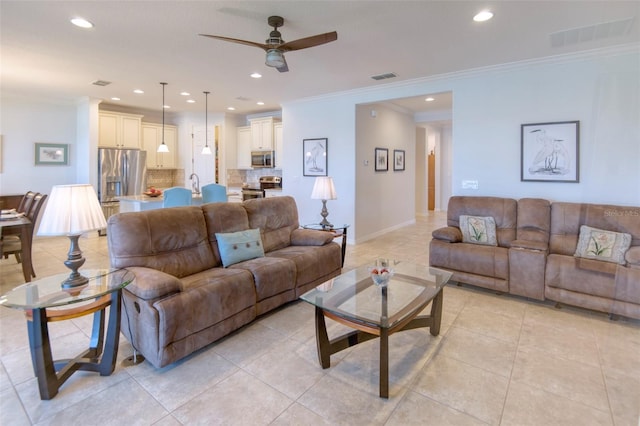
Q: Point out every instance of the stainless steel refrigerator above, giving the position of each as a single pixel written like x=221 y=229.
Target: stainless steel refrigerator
x=120 y=172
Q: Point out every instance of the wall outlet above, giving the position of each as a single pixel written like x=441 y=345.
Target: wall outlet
x=469 y=184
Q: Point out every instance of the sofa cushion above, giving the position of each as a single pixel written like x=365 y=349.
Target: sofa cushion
x=276 y=217
x=478 y=230
x=502 y=210
x=238 y=246
x=600 y=244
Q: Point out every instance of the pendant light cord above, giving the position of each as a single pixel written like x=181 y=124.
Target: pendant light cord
x=206 y=118
x=163 y=84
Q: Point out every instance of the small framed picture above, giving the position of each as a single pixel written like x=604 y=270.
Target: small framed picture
x=52 y=154
x=550 y=152
x=314 y=157
x=398 y=159
x=382 y=159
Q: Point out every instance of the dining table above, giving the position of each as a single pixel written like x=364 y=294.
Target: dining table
x=23 y=224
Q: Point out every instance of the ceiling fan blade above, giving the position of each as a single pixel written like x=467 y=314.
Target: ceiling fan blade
x=306 y=42
x=235 y=40
x=285 y=67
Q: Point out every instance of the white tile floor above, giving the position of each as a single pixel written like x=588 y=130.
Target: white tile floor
x=499 y=360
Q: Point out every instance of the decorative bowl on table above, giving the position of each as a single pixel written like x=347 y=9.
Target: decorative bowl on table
x=381 y=275
x=156 y=193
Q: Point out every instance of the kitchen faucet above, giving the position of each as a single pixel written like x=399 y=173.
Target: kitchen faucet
x=195 y=183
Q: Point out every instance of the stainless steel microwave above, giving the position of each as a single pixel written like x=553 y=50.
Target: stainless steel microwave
x=263 y=159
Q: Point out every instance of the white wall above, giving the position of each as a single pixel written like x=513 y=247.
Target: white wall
x=384 y=199
x=25 y=121
x=599 y=88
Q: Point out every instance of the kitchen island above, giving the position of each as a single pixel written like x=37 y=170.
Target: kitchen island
x=139 y=203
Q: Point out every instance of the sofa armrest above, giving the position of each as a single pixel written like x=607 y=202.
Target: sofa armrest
x=632 y=256
x=310 y=237
x=152 y=284
x=450 y=234
x=529 y=245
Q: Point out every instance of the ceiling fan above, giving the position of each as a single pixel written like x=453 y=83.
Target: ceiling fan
x=276 y=47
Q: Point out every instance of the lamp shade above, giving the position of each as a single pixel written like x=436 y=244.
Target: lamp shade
x=72 y=210
x=323 y=189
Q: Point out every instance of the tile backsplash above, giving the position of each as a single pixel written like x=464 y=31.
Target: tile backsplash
x=164 y=178
x=236 y=177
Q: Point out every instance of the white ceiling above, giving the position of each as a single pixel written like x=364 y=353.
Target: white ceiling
x=137 y=44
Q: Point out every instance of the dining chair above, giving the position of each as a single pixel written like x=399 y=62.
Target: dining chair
x=214 y=193
x=25 y=205
x=176 y=196
x=12 y=244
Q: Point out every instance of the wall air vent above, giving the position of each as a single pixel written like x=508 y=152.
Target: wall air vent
x=591 y=32
x=101 y=83
x=384 y=76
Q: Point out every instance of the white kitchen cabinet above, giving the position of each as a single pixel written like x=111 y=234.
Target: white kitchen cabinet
x=152 y=137
x=119 y=130
x=244 y=147
x=262 y=133
x=279 y=145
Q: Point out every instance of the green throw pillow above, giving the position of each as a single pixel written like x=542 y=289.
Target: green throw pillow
x=599 y=244
x=478 y=230
x=238 y=246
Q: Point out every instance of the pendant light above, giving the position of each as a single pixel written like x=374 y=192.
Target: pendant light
x=206 y=150
x=163 y=147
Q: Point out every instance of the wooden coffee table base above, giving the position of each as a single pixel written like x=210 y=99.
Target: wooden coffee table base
x=363 y=332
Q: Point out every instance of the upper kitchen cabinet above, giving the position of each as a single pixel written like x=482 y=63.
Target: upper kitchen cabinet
x=152 y=137
x=119 y=130
x=262 y=133
x=279 y=146
x=243 y=146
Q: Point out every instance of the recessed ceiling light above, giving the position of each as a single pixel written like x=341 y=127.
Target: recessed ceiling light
x=81 y=22
x=256 y=75
x=191 y=101
x=485 y=15
x=231 y=108
x=429 y=99
x=115 y=98
x=166 y=106
x=138 y=91
x=260 y=103
x=185 y=93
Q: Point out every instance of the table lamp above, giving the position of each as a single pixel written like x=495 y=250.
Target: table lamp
x=324 y=190
x=72 y=210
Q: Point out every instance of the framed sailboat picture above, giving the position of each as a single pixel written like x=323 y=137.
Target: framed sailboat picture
x=550 y=152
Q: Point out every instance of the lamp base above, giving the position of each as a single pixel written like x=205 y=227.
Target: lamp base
x=324 y=213
x=74 y=262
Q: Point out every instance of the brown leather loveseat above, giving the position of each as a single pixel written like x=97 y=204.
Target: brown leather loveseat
x=545 y=250
x=183 y=298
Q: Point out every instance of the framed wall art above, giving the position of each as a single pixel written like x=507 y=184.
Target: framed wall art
x=550 y=152
x=314 y=157
x=398 y=160
x=52 y=154
x=382 y=159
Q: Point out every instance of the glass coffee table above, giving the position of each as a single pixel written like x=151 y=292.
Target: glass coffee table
x=45 y=301
x=352 y=299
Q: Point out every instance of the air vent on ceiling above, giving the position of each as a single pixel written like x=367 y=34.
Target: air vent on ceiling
x=591 y=32
x=384 y=76
x=242 y=98
x=101 y=83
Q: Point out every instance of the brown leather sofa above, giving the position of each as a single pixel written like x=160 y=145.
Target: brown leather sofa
x=534 y=255
x=183 y=298
x=593 y=284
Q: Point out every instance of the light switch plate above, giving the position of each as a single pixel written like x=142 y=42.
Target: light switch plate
x=469 y=184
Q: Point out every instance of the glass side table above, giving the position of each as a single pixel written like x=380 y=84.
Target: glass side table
x=45 y=301
x=337 y=230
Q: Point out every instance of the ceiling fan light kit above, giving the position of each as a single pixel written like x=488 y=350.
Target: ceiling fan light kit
x=275 y=58
x=275 y=47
